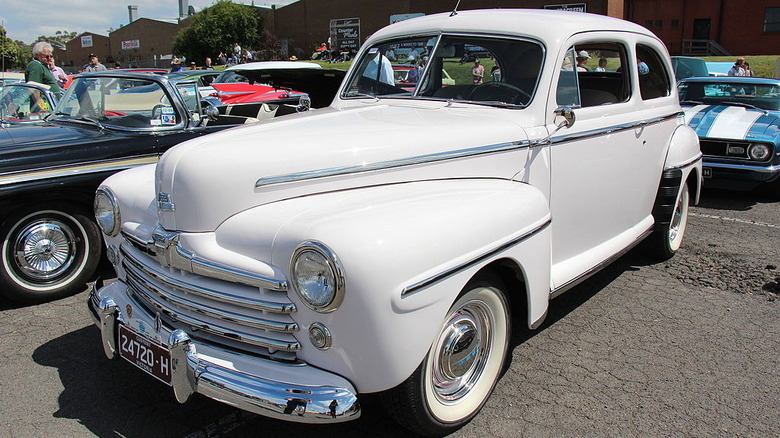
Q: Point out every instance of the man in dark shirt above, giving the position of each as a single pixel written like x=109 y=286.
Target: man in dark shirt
x=38 y=71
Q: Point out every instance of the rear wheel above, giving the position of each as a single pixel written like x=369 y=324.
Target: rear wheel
x=462 y=366
x=668 y=235
x=48 y=252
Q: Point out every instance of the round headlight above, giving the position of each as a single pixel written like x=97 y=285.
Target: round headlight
x=759 y=152
x=107 y=211
x=317 y=277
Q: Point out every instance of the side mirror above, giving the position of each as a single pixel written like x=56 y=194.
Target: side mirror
x=564 y=117
x=211 y=112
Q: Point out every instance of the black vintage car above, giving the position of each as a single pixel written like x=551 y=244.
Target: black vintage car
x=49 y=171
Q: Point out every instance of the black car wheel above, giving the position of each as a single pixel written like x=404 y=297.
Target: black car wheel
x=48 y=252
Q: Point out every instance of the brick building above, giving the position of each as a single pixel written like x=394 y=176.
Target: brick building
x=145 y=42
x=78 y=50
x=711 y=27
x=306 y=23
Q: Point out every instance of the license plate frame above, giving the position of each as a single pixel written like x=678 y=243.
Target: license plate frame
x=706 y=172
x=145 y=353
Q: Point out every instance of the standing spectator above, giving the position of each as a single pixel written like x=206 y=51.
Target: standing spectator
x=176 y=65
x=748 y=71
x=477 y=73
x=207 y=64
x=37 y=70
x=117 y=64
x=602 y=65
x=94 y=64
x=57 y=72
x=236 y=53
x=582 y=58
x=738 y=68
x=221 y=58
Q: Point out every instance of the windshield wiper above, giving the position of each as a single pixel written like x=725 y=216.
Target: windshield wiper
x=745 y=105
x=82 y=119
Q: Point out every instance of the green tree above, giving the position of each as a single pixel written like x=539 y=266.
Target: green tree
x=216 y=29
x=11 y=53
x=59 y=39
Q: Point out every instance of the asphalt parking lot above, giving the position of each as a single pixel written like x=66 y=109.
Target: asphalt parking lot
x=684 y=348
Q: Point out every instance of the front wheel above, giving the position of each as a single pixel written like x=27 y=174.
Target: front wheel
x=462 y=366
x=47 y=253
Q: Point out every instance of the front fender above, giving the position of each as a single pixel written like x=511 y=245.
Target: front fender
x=389 y=238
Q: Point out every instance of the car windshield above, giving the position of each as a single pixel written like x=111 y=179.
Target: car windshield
x=20 y=102
x=120 y=102
x=761 y=96
x=490 y=71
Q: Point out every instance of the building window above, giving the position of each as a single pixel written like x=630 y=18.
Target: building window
x=772 y=20
x=675 y=24
x=659 y=24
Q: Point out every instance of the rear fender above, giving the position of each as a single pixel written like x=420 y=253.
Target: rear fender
x=684 y=154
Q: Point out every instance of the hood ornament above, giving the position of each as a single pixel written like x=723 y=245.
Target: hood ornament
x=164 y=202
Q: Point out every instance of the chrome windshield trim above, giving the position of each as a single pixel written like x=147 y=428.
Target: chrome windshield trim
x=455 y=269
x=391 y=164
x=75 y=169
x=610 y=129
x=687 y=163
x=736 y=166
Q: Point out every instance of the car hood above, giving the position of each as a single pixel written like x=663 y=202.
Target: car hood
x=732 y=122
x=36 y=144
x=209 y=179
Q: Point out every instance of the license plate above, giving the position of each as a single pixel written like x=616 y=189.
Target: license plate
x=146 y=354
x=706 y=172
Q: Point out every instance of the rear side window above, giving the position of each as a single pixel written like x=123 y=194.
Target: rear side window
x=593 y=75
x=654 y=79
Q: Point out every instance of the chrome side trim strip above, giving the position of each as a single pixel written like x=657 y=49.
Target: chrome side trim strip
x=267 y=306
x=454 y=270
x=75 y=169
x=391 y=164
x=585 y=275
x=687 y=163
x=759 y=169
x=612 y=129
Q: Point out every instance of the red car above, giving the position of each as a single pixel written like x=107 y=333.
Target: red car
x=281 y=82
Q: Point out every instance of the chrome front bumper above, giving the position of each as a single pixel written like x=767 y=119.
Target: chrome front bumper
x=291 y=392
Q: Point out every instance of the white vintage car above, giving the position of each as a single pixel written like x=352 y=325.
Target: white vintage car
x=389 y=243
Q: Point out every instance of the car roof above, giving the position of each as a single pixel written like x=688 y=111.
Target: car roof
x=546 y=25
x=272 y=65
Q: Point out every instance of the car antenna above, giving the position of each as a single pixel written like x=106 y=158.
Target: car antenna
x=455 y=11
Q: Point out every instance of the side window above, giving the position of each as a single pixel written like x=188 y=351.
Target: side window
x=654 y=79
x=568 y=92
x=593 y=74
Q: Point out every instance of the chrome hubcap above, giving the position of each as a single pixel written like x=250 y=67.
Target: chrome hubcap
x=44 y=249
x=462 y=351
x=677 y=218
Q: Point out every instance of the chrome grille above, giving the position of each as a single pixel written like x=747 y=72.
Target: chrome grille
x=222 y=309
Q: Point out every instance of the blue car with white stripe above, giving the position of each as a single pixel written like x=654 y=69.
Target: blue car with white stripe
x=737 y=120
